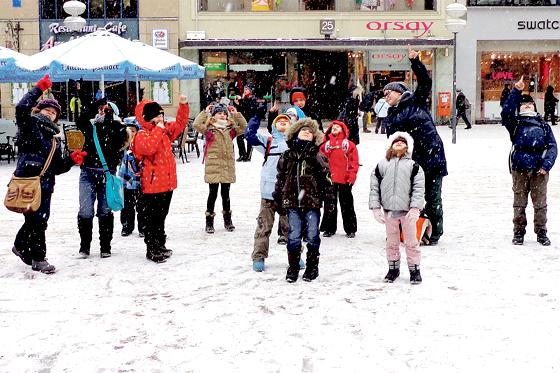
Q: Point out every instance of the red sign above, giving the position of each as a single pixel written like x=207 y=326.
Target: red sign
x=502 y=75
x=419 y=26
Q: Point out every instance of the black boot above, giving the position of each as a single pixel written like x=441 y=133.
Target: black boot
x=155 y=254
x=542 y=238
x=518 y=237
x=415 y=277
x=228 y=225
x=85 y=227
x=210 y=222
x=105 y=234
x=394 y=271
x=293 y=265
x=311 y=266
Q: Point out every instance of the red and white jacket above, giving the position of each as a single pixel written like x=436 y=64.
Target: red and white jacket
x=342 y=155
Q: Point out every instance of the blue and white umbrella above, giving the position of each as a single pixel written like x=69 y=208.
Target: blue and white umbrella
x=10 y=72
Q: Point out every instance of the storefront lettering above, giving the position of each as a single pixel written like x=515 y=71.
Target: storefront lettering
x=424 y=27
x=119 y=29
x=538 y=25
x=500 y=75
x=388 y=56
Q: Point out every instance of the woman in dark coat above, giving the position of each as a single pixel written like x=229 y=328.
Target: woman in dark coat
x=409 y=113
x=36 y=130
x=550 y=105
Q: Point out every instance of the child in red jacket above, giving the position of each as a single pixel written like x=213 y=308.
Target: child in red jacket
x=152 y=147
x=343 y=162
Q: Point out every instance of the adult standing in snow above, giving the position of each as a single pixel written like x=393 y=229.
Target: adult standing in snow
x=533 y=154
x=380 y=110
x=366 y=106
x=219 y=129
x=111 y=133
x=409 y=113
x=36 y=140
x=350 y=114
x=504 y=95
x=247 y=106
x=152 y=146
x=550 y=102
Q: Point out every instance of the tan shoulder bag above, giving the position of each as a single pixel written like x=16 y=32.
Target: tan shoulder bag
x=24 y=193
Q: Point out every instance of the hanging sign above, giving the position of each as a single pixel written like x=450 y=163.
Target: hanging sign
x=388 y=59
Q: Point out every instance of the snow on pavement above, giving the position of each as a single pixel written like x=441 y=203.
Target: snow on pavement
x=484 y=304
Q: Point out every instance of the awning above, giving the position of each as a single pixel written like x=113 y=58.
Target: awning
x=349 y=43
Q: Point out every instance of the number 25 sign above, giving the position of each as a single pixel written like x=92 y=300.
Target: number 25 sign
x=327 y=26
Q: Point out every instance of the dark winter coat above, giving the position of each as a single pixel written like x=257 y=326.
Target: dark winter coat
x=549 y=100
x=303 y=179
x=349 y=115
x=367 y=103
x=504 y=96
x=342 y=155
x=533 y=143
x=462 y=103
x=111 y=134
x=247 y=106
x=412 y=115
x=34 y=141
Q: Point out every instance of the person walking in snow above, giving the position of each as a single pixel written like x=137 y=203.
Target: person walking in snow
x=272 y=148
x=152 y=147
x=463 y=107
x=36 y=141
x=343 y=163
x=303 y=183
x=396 y=198
x=129 y=172
x=409 y=113
x=220 y=124
x=111 y=134
x=532 y=156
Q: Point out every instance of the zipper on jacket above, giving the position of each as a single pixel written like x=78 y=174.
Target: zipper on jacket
x=395 y=179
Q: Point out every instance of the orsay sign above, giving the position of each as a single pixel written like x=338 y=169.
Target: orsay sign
x=420 y=26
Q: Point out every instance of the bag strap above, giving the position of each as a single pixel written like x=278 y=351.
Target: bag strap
x=98 y=147
x=49 y=158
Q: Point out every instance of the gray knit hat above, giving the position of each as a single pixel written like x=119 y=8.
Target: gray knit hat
x=395 y=86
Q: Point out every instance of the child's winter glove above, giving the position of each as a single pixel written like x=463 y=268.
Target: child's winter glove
x=45 y=83
x=379 y=216
x=413 y=214
x=78 y=156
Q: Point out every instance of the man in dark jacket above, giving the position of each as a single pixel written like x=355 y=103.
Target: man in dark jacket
x=463 y=105
x=408 y=112
x=533 y=154
x=112 y=136
x=550 y=105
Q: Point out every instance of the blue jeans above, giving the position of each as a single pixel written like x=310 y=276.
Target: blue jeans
x=298 y=219
x=92 y=186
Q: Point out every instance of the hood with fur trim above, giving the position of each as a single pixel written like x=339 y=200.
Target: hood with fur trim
x=404 y=135
x=306 y=122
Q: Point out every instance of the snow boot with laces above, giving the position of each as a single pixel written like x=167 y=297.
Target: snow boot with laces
x=394 y=271
x=228 y=224
x=542 y=238
x=210 y=222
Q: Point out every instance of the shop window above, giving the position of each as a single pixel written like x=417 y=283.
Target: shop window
x=96 y=9
x=48 y=9
x=130 y=9
x=318 y=4
x=113 y=8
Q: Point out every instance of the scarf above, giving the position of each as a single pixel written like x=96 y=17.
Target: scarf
x=528 y=113
x=221 y=124
x=47 y=124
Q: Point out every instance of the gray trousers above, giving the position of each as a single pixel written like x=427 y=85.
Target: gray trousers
x=265 y=221
x=526 y=182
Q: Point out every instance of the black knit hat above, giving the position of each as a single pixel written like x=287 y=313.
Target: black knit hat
x=395 y=86
x=151 y=110
x=52 y=103
x=527 y=99
x=219 y=108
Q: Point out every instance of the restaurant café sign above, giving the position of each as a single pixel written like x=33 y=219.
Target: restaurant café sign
x=55 y=33
x=419 y=26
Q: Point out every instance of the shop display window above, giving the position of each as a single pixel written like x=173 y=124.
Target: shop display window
x=499 y=69
x=53 y=9
x=314 y=5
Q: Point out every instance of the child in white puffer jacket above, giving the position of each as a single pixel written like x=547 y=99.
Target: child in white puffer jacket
x=397 y=186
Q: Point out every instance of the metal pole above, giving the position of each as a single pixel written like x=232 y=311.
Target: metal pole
x=453 y=114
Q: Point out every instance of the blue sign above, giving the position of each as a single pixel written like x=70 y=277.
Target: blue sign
x=16 y=3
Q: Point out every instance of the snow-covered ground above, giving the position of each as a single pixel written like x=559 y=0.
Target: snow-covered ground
x=485 y=305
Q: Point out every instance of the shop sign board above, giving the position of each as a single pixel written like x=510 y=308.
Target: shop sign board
x=327 y=26
x=388 y=59
x=215 y=66
x=160 y=38
x=545 y=24
x=419 y=26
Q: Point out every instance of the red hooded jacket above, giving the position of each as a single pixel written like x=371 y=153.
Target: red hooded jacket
x=342 y=155
x=152 y=147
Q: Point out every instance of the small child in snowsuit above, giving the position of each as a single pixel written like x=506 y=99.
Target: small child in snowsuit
x=219 y=129
x=303 y=183
x=343 y=162
x=272 y=147
x=397 y=185
x=152 y=147
x=130 y=173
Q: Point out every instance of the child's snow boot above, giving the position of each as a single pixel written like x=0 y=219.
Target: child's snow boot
x=228 y=224
x=210 y=222
x=394 y=271
x=85 y=227
x=518 y=237
x=105 y=234
x=542 y=238
x=258 y=265
x=312 y=266
x=415 y=277
x=155 y=255
x=43 y=266
x=293 y=265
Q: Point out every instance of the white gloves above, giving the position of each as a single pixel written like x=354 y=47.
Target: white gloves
x=379 y=216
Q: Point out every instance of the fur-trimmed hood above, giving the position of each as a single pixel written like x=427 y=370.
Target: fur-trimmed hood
x=306 y=122
x=404 y=135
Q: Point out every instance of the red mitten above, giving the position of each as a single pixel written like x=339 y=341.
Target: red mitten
x=78 y=156
x=45 y=83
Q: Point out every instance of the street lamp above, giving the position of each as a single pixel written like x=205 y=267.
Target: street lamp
x=454 y=23
x=74 y=8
